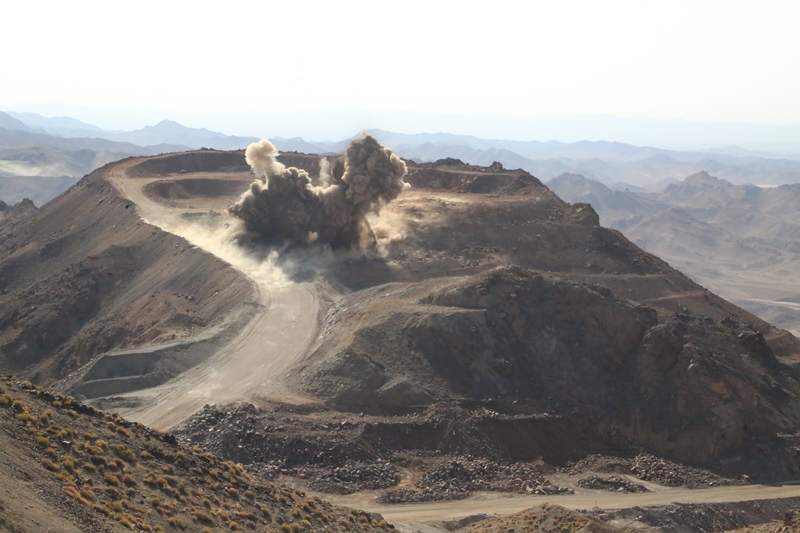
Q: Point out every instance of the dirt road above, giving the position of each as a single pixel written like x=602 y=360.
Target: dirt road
x=256 y=359
x=493 y=503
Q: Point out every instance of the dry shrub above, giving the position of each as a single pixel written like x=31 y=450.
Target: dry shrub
x=176 y=522
x=50 y=465
x=202 y=516
x=73 y=491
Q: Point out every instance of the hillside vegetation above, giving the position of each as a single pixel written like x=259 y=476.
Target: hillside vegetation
x=68 y=467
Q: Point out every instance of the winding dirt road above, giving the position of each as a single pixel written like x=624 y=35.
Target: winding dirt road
x=253 y=364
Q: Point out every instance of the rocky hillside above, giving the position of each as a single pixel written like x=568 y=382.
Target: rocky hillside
x=68 y=467
x=513 y=320
x=583 y=322
x=689 y=388
x=85 y=275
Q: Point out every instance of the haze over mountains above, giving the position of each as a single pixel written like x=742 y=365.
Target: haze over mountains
x=609 y=162
x=741 y=241
x=42 y=156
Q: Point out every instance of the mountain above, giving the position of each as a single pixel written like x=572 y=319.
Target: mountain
x=495 y=338
x=55 y=125
x=740 y=240
x=8 y=122
x=297 y=144
x=18 y=138
x=608 y=162
x=43 y=157
x=39 y=166
x=165 y=133
x=500 y=292
x=168 y=131
x=91 y=238
x=576 y=188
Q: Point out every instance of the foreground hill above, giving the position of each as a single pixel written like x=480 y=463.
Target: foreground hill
x=70 y=468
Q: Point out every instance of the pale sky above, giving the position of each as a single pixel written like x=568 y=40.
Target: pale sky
x=701 y=61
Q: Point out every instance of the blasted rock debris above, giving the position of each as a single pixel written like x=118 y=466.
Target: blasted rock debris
x=286 y=204
x=611 y=483
x=650 y=468
x=353 y=477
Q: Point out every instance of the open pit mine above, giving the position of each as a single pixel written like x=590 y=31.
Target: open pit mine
x=425 y=341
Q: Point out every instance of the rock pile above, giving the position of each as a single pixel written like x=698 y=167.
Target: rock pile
x=353 y=477
x=651 y=468
x=426 y=495
x=483 y=474
x=612 y=483
x=455 y=479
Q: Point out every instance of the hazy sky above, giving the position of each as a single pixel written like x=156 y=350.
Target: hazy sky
x=702 y=61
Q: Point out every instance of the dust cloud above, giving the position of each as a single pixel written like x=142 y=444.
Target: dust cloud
x=284 y=204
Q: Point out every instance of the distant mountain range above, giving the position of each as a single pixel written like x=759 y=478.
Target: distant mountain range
x=618 y=165
x=741 y=241
x=622 y=166
x=40 y=157
x=166 y=132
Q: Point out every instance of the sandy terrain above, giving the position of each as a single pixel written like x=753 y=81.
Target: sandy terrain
x=253 y=363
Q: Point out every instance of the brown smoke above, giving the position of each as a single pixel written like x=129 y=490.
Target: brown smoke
x=283 y=204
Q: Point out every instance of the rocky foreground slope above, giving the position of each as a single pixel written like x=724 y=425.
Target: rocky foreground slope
x=68 y=467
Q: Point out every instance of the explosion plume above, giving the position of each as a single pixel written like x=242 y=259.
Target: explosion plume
x=284 y=204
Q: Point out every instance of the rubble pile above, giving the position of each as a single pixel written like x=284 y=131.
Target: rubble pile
x=405 y=495
x=455 y=479
x=611 y=483
x=484 y=474
x=648 y=467
x=651 y=468
x=352 y=477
